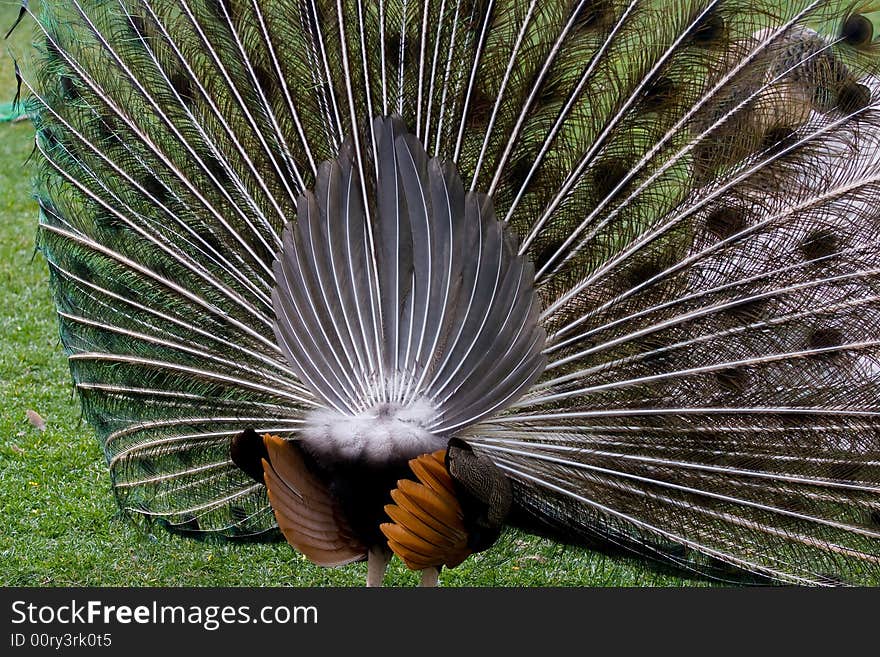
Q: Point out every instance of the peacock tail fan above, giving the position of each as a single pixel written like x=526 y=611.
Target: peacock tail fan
x=682 y=197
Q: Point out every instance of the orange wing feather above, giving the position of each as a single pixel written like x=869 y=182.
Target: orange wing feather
x=428 y=528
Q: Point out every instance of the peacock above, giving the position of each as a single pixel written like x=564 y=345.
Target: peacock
x=390 y=277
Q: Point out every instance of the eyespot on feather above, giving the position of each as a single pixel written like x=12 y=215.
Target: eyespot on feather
x=857 y=31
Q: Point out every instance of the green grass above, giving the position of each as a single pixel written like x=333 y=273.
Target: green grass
x=59 y=525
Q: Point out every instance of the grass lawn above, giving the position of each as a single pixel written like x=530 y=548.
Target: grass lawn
x=60 y=525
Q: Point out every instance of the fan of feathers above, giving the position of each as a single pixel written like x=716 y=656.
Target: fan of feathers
x=392 y=277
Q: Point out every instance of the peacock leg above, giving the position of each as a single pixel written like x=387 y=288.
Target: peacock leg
x=377 y=562
x=430 y=577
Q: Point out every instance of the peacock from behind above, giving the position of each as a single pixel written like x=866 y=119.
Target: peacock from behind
x=391 y=276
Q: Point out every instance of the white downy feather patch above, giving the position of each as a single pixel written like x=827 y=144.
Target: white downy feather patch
x=386 y=432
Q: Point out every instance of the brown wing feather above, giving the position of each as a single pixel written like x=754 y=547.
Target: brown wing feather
x=307 y=514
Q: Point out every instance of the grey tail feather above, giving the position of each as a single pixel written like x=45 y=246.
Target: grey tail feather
x=441 y=309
